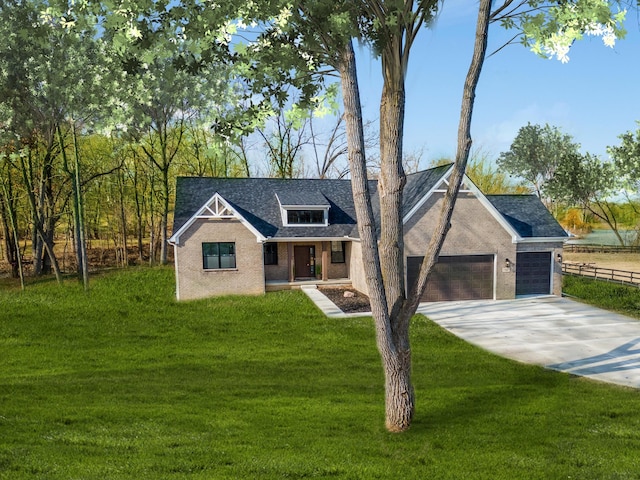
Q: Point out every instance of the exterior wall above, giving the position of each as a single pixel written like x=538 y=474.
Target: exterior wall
x=356 y=268
x=280 y=271
x=195 y=282
x=556 y=248
x=338 y=270
x=474 y=231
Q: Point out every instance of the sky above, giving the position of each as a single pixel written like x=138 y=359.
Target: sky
x=595 y=97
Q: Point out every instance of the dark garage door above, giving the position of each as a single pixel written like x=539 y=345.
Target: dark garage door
x=533 y=273
x=468 y=277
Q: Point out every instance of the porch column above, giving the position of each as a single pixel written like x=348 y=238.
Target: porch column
x=290 y=261
x=325 y=262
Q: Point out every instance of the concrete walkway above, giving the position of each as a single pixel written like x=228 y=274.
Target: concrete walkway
x=553 y=332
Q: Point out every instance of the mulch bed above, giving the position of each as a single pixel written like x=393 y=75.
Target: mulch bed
x=357 y=304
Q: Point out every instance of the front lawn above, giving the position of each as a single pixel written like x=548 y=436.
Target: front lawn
x=125 y=383
x=608 y=295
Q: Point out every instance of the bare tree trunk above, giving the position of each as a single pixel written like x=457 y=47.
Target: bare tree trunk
x=392 y=177
x=123 y=217
x=399 y=395
x=78 y=216
x=138 y=197
x=43 y=237
x=12 y=240
x=462 y=156
x=81 y=229
x=384 y=265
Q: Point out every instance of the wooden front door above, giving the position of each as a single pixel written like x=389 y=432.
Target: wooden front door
x=304 y=261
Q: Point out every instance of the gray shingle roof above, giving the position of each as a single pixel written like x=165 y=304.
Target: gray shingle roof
x=418 y=184
x=527 y=215
x=308 y=198
x=255 y=199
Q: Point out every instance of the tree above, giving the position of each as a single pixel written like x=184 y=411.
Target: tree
x=627 y=157
x=8 y=214
x=284 y=138
x=165 y=97
x=589 y=182
x=320 y=33
x=392 y=28
x=536 y=153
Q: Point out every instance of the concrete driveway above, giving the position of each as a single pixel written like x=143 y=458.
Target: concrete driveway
x=553 y=332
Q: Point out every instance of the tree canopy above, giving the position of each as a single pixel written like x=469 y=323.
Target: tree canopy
x=300 y=45
x=535 y=154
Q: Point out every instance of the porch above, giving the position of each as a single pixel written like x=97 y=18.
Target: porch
x=274 y=285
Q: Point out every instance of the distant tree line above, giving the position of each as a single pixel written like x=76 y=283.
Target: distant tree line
x=92 y=137
x=582 y=189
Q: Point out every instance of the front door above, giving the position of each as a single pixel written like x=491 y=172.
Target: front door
x=304 y=264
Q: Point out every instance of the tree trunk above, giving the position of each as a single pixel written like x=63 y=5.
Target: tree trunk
x=80 y=229
x=462 y=156
x=42 y=233
x=78 y=224
x=139 y=209
x=12 y=240
x=399 y=397
x=384 y=267
x=123 y=218
x=165 y=217
x=392 y=176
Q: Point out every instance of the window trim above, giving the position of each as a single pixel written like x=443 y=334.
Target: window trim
x=301 y=208
x=205 y=265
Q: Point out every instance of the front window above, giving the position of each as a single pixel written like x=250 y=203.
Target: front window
x=305 y=217
x=270 y=253
x=218 y=255
x=337 y=252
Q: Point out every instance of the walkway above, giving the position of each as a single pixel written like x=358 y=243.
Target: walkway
x=553 y=332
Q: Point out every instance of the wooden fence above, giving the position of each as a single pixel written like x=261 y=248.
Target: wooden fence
x=583 y=248
x=606 y=274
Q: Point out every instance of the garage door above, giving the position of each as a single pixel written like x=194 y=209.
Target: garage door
x=533 y=273
x=467 y=277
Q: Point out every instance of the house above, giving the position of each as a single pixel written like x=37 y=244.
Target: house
x=248 y=235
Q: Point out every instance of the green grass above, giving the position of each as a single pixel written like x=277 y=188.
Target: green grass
x=125 y=383
x=607 y=295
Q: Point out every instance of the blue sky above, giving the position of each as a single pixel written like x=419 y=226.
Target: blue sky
x=595 y=97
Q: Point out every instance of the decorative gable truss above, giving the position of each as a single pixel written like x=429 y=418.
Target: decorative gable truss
x=217 y=208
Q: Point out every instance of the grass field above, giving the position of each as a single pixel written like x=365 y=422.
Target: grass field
x=610 y=296
x=125 y=383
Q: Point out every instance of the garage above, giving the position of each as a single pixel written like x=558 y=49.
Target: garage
x=533 y=273
x=464 y=277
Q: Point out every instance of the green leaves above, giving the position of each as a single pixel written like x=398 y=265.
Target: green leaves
x=536 y=153
x=550 y=28
x=627 y=158
x=582 y=179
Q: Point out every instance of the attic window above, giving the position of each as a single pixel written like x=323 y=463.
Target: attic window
x=306 y=217
x=305 y=208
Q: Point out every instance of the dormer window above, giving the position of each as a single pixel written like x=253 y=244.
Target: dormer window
x=305 y=217
x=303 y=209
